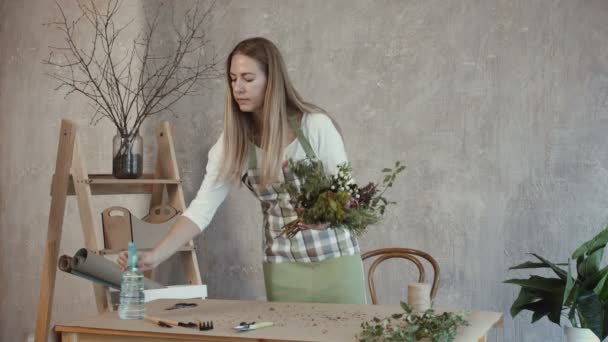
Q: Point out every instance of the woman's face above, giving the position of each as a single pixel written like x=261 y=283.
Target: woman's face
x=248 y=83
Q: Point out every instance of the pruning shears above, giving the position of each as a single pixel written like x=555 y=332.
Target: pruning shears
x=244 y=326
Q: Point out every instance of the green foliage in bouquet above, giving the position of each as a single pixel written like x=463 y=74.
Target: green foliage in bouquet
x=411 y=326
x=336 y=199
x=329 y=207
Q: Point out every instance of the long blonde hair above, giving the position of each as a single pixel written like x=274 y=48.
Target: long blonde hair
x=281 y=100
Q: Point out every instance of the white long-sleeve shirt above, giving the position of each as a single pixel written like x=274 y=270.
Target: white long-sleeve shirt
x=324 y=139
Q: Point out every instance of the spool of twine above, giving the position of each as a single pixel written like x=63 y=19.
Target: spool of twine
x=419 y=296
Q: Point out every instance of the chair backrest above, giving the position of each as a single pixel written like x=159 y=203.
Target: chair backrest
x=410 y=254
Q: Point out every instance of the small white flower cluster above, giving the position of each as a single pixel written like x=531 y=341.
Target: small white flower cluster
x=343 y=181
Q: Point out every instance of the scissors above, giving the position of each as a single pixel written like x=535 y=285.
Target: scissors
x=244 y=326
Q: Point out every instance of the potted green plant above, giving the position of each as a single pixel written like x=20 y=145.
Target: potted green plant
x=580 y=295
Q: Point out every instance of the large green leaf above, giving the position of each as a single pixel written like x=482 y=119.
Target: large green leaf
x=539 y=314
x=572 y=314
x=549 y=306
x=560 y=272
x=530 y=264
x=589 y=265
x=539 y=309
x=552 y=285
x=598 y=241
x=591 y=282
x=592 y=313
x=524 y=298
x=601 y=290
x=569 y=286
x=605 y=322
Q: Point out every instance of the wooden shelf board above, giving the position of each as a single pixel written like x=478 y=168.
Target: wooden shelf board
x=103 y=184
x=145 y=179
x=115 y=251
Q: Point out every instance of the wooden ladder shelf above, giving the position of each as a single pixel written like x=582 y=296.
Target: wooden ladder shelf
x=71 y=179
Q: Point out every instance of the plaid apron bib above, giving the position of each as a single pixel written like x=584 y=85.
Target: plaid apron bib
x=307 y=245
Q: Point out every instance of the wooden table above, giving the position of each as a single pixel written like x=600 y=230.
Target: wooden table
x=292 y=322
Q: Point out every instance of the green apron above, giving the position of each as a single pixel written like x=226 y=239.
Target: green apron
x=313 y=266
x=337 y=280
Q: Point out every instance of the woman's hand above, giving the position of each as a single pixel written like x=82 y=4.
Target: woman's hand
x=146 y=260
x=182 y=231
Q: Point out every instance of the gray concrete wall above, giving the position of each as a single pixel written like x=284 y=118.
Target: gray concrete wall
x=498 y=108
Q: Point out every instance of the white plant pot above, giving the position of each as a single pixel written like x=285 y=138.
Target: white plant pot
x=580 y=335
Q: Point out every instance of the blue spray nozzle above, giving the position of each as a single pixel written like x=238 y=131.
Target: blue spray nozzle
x=132 y=255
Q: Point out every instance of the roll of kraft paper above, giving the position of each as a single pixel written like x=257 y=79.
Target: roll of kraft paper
x=65 y=264
x=94 y=267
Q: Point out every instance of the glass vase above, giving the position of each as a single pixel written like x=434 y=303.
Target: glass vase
x=127 y=151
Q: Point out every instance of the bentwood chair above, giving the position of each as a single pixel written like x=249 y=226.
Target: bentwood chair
x=410 y=254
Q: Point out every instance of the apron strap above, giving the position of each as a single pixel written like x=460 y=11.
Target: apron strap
x=310 y=154
x=253 y=162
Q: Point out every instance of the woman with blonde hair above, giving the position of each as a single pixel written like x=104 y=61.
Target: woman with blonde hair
x=266 y=123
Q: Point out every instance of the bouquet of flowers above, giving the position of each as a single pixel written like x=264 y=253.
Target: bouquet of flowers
x=336 y=199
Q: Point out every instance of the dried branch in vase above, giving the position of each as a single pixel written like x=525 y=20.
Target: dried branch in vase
x=127 y=87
